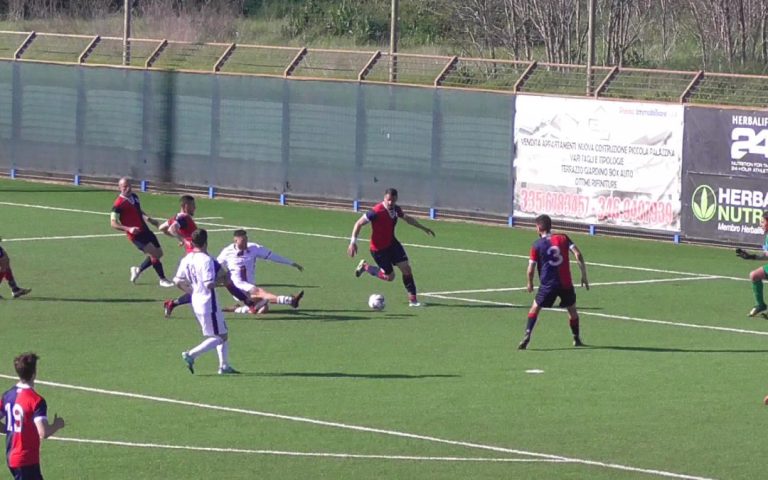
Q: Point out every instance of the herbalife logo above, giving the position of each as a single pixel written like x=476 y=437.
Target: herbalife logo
x=704 y=203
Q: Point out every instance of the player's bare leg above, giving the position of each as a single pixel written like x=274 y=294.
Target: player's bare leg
x=154 y=254
x=7 y=273
x=374 y=271
x=757 y=276
x=573 y=321
x=533 y=315
x=292 y=300
x=409 y=283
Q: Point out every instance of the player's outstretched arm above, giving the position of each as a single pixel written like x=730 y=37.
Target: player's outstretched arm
x=45 y=429
x=529 y=277
x=152 y=221
x=582 y=267
x=114 y=222
x=412 y=221
x=352 y=248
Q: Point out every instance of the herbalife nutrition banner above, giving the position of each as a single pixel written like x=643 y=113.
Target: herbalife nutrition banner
x=726 y=165
x=599 y=162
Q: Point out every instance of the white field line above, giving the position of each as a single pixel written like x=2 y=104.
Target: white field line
x=307 y=454
x=76 y=237
x=599 y=284
x=415 y=245
x=358 y=428
x=604 y=315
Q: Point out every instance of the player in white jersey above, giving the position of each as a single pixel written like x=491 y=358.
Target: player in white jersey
x=240 y=259
x=197 y=275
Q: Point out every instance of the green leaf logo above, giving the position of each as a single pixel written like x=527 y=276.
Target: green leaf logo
x=703 y=203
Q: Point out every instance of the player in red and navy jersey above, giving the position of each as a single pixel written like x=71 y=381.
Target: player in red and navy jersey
x=128 y=217
x=386 y=250
x=550 y=256
x=7 y=273
x=182 y=225
x=25 y=422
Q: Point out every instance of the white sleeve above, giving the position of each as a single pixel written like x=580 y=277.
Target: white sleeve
x=181 y=273
x=222 y=258
x=266 y=254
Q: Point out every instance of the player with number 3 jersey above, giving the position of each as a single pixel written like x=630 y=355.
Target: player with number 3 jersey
x=550 y=256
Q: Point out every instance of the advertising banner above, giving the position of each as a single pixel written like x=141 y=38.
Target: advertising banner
x=724 y=208
x=726 y=141
x=599 y=162
x=725 y=157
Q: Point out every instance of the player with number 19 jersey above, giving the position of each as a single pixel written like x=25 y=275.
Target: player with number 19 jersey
x=550 y=254
x=22 y=406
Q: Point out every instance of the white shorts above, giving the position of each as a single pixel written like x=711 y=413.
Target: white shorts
x=244 y=286
x=212 y=323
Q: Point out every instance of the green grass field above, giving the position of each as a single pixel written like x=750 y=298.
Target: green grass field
x=670 y=386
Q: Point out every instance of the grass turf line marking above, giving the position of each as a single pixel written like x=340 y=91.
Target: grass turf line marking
x=359 y=428
x=605 y=315
x=354 y=456
x=599 y=284
x=77 y=237
x=415 y=245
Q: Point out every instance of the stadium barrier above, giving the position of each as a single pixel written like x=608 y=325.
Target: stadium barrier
x=462 y=138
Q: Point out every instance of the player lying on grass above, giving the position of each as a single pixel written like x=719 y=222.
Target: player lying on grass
x=7 y=273
x=759 y=274
x=181 y=227
x=240 y=259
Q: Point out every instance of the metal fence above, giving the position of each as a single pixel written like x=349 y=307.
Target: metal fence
x=689 y=87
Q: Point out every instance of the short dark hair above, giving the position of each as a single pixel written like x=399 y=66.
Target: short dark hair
x=240 y=233
x=391 y=192
x=26 y=365
x=544 y=222
x=200 y=237
x=185 y=199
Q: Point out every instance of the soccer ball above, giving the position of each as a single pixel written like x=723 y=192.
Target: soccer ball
x=376 y=301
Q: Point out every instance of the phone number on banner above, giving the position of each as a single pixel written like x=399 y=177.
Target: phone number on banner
x=636 y=210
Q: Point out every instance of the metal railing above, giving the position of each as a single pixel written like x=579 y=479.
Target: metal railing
x=690 y=87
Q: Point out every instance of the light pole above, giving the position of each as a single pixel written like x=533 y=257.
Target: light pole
x=127 y=33
x=590 y=45
x=393 y=34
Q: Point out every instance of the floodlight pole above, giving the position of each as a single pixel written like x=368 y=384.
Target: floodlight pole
x=127 y=33
x=590 y=45
x=393 y=35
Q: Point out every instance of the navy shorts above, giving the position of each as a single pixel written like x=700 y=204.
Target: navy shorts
x=2 y=252
x=390 y=256
x=145 y=238
x=545 y=297
x=30 y=472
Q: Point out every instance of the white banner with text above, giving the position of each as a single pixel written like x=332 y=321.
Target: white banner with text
x=598 y=162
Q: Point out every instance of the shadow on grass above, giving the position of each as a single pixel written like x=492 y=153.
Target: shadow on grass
x=32 y=298
x=374 y=376
x=430 y=303
x=51 y=190
x=322 y=315
x=629 y=348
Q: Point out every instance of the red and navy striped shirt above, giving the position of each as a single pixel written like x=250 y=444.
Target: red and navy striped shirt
x=383 y=224
x=129 y=210
x=21 y=405
x=550 y=254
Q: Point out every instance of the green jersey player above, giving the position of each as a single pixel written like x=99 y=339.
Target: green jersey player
x=759 y=274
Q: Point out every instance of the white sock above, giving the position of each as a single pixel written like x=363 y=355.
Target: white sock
x=284 y=299
x=208 y=344
x=223 y=350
